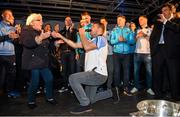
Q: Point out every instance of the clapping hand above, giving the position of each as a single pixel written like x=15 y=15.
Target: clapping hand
x=161 y=18
x=121 y=38
x=18 y=28
x=140 y=34
x=13 y=35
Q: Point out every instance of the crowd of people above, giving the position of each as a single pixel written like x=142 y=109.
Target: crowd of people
x=91 y=60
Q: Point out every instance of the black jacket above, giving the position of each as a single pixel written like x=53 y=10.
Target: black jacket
x=34 y=55
x=171 y=37
x=69 y=35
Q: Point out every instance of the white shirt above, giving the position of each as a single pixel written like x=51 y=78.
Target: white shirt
x=96 y=59
x=142 y=44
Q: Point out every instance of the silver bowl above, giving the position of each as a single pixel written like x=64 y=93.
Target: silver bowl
x=160 y=108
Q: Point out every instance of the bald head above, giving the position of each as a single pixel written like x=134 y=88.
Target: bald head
x=7 y=16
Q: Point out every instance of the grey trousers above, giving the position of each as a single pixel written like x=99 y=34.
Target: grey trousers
x=110 y=68
x=91 y=80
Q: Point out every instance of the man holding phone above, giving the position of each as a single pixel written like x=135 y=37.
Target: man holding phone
x=165 y=47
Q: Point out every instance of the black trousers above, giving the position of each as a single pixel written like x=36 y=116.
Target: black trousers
x=20 y=79
x=80 y=62
x=165 y=69
x=7 y=72
x=68 y=66
x=124 y=61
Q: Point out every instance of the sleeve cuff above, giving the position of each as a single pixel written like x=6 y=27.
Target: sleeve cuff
x=38 y=40
x=165 y=22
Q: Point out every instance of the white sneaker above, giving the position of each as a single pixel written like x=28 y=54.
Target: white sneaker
x=71 y=92
x=63 y=89
x=38 y=92
x=150 y=91
x=134 y=90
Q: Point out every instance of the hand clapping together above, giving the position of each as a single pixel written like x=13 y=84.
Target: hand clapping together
x=13 y=35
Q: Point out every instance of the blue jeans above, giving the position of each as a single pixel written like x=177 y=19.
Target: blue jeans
x=146 y=59
x=48 y=80
x=91 y=80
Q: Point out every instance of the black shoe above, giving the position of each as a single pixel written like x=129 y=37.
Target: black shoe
x=1 y=92
x=52 y=101
x=32 y=105
x=127 y=93
x=160 y=97
x=13 y=94
x=116 y=96
x=81 y=109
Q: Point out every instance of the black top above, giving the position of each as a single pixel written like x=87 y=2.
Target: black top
x=34 y=55
x=171 y=38
x=69 y=35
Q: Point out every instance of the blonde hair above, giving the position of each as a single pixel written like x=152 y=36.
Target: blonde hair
x=32 y=17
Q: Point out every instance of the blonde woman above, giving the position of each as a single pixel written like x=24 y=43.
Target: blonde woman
x=35 y=58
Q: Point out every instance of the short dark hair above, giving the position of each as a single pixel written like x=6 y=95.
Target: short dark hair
x=46 y=24
x=144 y=16
x=132 y=23
x=104 y=18
x=85 y=13
x=167 y=5
x=56 y=25
x=122 y=16
x=67 y=16
x=100 y=25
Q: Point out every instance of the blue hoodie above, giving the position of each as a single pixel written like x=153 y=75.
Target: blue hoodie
x=6 y=46
x=121 y=47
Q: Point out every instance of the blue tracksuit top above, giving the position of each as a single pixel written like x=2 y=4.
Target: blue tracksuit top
x=121 y=47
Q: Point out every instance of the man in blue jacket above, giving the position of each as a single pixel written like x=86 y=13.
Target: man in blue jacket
x=120 y=39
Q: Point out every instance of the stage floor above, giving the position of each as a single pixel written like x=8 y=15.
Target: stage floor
x=66 y=102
